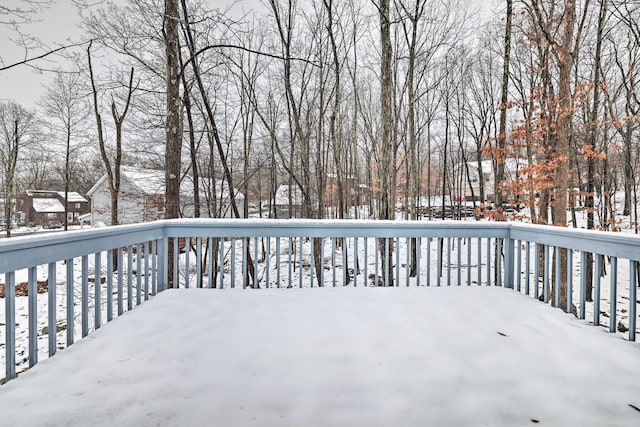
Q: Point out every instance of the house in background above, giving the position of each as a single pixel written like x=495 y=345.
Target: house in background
x=142 y=197
x=469 y=188
x=284 y=207
x=44 y=207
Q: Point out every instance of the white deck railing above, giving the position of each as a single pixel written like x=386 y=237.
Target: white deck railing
x=94 y=275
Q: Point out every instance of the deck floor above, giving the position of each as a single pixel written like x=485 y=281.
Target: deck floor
x=364 y=356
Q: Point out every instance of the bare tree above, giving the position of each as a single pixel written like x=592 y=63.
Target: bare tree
x=16 y=125
x=63 y=102
x=385 y=147
x=112 y=166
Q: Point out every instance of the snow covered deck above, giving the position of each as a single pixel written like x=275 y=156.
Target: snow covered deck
x=444 y=356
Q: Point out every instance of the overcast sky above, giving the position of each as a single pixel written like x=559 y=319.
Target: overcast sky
x=56 y=26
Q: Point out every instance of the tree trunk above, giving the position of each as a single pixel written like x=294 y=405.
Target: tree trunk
x=386 y=167
x=502 y=132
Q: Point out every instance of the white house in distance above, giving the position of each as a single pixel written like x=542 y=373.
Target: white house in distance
x=141 y=197
x=511 y=167
x=281 y=201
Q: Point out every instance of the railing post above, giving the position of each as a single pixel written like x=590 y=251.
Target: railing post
x=508 y=263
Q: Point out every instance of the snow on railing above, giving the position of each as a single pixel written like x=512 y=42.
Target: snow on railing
x=290 y=253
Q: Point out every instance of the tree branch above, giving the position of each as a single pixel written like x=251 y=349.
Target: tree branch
x=44 y=55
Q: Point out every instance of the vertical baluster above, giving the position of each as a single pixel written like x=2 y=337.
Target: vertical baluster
x=558 y=253
x=397 y=242
x=459 y=261
x=245 y=244
x=613 y=295
x=439 y=250
x=176 y=262
x=10 y=324
x=70 y=296
x=97 y=290
x=345 y=262
x=138 y=274
x=221 y=263
x=408 y=261
x=419 y=257
x=289 y=244
x=527 y=268
x=129 y=277
x=232 y=263
x=366 y=261
x=488 y=261
x=498 y=263
x=278 y=262
x=311 y=261
x=333 y=260
x=33 y=316
x=162 y=256
x=154 y=270
x=387 y=262
x=449 y=261
x=596 y=290
x=633 y=295
x=110 y=285
x=212 y=255
x=356 y=260
x=267 y=260
x=377 y=250
x=301 y=263
x=468 y=261
x=85 y=296
x=187 y=262
x=547 y=267
x=256 y=270
x=583 y=284
x=321 y=262
x=479 y=261
x=518 y=265
x=147 y=254
x=120 y=281
x=569 y=280
x=51 y=310
x=536 y=271
x=199 y=262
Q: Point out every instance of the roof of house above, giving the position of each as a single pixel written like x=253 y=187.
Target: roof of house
x=510 y=165
x=73 y=197
x=47 y=205
x=147 y=181
x=151 y=181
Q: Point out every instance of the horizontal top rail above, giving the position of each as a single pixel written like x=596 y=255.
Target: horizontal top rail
x=25 y=251
x=332 y=228
x=623 y=245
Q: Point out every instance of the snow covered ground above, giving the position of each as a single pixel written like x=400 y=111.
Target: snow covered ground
x=344 y=356
x=298 y=271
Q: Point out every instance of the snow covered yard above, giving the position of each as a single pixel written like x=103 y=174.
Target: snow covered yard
x=335 y=356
